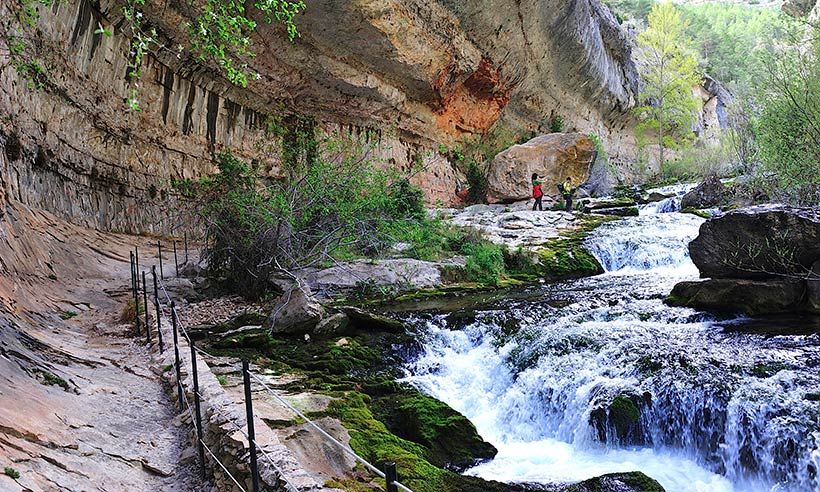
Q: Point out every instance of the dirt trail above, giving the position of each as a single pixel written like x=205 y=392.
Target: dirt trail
x=81 y=407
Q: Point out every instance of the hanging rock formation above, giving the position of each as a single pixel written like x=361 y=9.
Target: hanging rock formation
x=402 y=75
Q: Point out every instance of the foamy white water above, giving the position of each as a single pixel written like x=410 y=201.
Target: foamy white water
x=718 y=411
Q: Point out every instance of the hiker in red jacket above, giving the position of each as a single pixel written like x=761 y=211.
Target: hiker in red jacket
x=537 y=193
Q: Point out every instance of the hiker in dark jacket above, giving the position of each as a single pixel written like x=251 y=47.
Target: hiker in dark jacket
x=537 y=193
x=568 y=192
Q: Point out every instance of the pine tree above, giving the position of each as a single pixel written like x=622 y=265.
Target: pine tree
x=669 y=72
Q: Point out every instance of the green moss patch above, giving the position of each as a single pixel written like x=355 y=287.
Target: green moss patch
x=50 y=379
x=621 y=418
x=636 y=481
x=371 y=438
x=567 y=258
x=450 y=439
x=695 y=211
x=387 y=421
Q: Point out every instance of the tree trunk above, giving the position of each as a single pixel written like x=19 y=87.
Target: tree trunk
x=660 y=142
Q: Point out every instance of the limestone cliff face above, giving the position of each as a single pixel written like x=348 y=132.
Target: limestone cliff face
x=405 y=75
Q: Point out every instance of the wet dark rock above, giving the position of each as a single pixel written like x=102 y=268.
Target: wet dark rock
x=595 y=205
x=758 y=242
x=619 y=211
x=751 y=297
x=367 y=321
x=618 y=482
x=656 y=196
x=760 y=260
x=813 y=289
x=251 y=336
x=710 y=193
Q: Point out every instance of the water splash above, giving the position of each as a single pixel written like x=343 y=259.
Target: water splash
x=646 y=242
x=718 y=411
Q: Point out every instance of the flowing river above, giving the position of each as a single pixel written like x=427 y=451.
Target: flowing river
x=598 y=375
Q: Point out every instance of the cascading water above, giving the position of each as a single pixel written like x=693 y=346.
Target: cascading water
x=599 y=376
x=667 y=205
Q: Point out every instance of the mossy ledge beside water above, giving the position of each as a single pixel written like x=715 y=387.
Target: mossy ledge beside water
x=387 y=421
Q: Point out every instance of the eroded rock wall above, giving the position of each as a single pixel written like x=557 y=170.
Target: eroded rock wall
x=406 y=75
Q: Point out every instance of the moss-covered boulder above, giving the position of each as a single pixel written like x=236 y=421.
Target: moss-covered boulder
x=253 y=336
x=567 y=258
x=620 y=420
x=451 y=441
x=618 y=482
x=372 y=439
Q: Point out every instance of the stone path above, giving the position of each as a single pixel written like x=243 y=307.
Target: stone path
x=105 y=422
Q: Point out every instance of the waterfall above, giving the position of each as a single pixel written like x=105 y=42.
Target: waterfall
x=707 y=409
x=665 y=206
x=645 y=242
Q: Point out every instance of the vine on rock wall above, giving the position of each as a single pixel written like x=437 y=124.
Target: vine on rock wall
x=219 y=34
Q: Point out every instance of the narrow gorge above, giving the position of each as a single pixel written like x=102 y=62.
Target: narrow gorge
x=341 y=267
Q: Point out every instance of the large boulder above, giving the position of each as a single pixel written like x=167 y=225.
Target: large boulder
x=603 y=178
x=555 y=157
x=710 y=193
x=296 y=311
x=758 y=243
x=752 y=297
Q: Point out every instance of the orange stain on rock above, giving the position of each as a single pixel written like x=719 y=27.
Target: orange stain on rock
x=474 y=105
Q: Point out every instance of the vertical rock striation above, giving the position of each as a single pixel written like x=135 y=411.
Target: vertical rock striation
x=403 y=75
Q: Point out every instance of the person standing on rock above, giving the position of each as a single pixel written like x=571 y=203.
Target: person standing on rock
x=567 y=191
x=537 y=192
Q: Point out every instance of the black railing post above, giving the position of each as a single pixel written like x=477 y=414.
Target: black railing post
x=159 y=256
x=176 y=352
x=147 y=324
x=131 y=260
x=176 y=261
x=156 y=304
x=137 y=267
x=134 y=293
x=144 y=300
x=391 y=477
x=196 y=409
x=246 y=379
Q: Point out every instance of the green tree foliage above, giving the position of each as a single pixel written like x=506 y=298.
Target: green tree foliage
x=222 y=32
x=788 y=124
x=728 y=35
x=669 y=71
x=635 y=11
x=335 y=206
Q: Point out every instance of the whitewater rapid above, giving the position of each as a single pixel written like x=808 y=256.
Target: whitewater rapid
x=719 y=411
